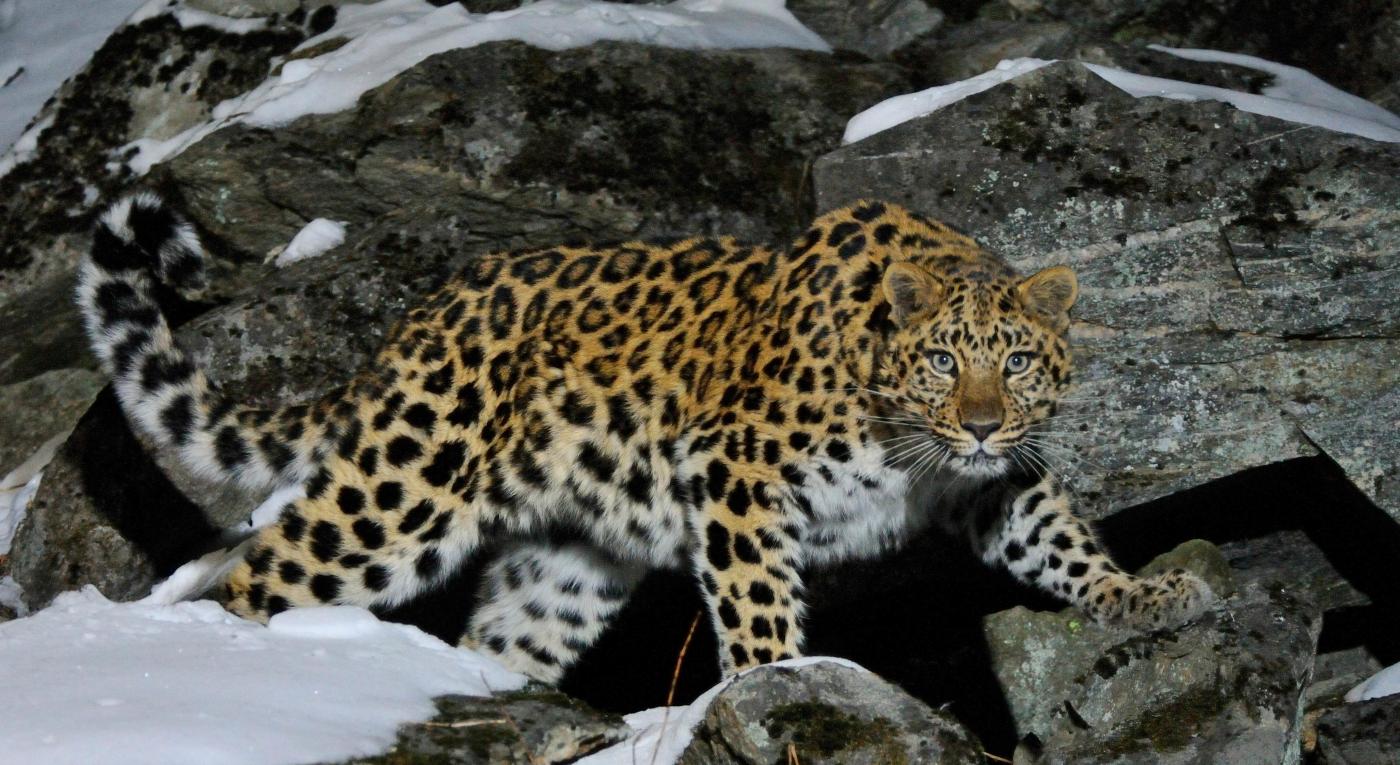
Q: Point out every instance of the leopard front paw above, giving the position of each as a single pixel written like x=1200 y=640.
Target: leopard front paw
x=1164 y=600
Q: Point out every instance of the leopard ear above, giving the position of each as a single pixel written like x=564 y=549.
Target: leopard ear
x=1048 y=296
x=911 y=291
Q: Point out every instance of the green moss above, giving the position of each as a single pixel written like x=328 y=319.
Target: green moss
x=820 y=730
x=1168 y=728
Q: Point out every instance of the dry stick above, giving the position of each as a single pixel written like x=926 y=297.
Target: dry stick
x=676 y=673
x=675 y=679
x=995 y=758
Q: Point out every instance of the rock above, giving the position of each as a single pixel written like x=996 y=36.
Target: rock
x=526 y=727
x=104 y=515
x=1354 y=50
x=824 y=713
x=148 y=80
x=1226 y=689
x=41 y=408
x=970 y=49
x=1362 y=733
x=1289 y=559
x=875 y=28
x=1200 y=557
x=621 y=140
x=1239 y=301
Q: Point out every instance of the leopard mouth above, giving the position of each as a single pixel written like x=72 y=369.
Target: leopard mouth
x=980 y=464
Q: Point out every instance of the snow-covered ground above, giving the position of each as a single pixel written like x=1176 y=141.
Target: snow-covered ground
x=87 y=681
x=43 y=43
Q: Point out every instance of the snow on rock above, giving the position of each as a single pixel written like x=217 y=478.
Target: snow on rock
x=17 y=488
x=893 y=111
x=390 y=36
x=39 y=49
x=1383 y=683
x=94 y=682
x=313 y=239
x=1296 y=96
x=663 y=733
x=12 y=596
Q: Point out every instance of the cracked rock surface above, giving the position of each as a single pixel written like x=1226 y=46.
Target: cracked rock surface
x=1226 y=689
x=1239 y=275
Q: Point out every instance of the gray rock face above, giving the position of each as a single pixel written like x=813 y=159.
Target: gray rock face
x=1224 y=690
x=621 y=140
x=41 y=408
x=1364 y=733
x=104 y=515
x=149 y=80
x=1355 y=49
x=876 y=28
x=523 y=728
x=1238 y=273
x=824 y=713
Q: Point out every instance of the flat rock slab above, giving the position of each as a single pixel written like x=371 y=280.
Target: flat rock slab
x=1225 y=690
x=523 y=728
x=824 y=713
x=1240 y=275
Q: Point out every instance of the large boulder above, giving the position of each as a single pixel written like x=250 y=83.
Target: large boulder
x=1361 y=733
x=1239 y=274
x=531 y=727
x=824 y=713
x=1227 y=689
x=1353 y=48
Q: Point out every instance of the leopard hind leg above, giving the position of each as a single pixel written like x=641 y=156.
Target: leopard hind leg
x=541 y=605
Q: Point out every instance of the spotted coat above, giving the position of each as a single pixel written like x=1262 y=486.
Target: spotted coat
x=740 y=411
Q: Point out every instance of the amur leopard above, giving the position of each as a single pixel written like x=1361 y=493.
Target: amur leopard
x=739 y=411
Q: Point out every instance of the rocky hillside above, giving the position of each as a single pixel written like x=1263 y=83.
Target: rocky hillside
x=1238 y=331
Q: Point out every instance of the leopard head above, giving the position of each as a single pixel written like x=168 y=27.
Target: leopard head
x=977 y=360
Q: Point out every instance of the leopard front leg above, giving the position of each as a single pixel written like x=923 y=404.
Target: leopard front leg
x=1042 y=542
x=746 y=560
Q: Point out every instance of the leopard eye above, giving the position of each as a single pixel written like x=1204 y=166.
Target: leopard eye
x=943 y=362
x=1017 y=363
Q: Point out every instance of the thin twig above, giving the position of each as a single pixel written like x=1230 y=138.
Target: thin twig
x=676 y=673
x=675 y=680
x=995 y=758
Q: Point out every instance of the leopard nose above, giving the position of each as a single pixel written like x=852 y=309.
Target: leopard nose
x=981 y=430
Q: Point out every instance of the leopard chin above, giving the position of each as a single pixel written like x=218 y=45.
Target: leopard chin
x=981 y=465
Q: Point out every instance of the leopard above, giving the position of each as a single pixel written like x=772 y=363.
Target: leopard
x=587 y=414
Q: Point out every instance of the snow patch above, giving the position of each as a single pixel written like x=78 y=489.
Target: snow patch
x=1295 y=96
x=661 y=734
x=390 y=36
x=893 y=111
x=91 y=681
x=313 y=239
x=1383 y=683
x=12 y=596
